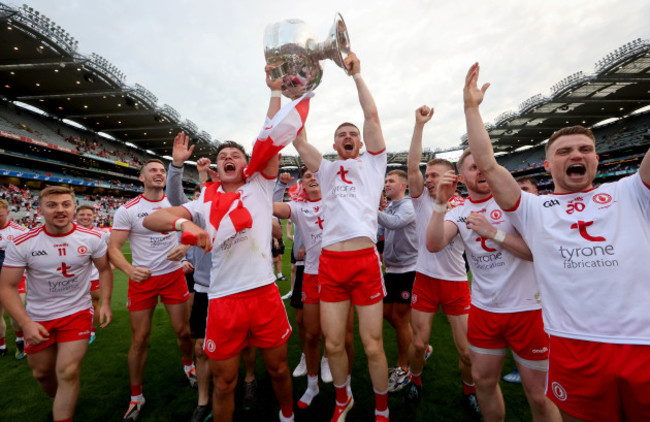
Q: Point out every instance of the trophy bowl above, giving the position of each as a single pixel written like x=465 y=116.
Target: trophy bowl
x=290 y=47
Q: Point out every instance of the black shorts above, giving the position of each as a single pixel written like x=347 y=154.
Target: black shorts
x=189 y=278
x=279 y=250
x=296 y=296
x=293 y=257
x=399 y=287
x=199 y=315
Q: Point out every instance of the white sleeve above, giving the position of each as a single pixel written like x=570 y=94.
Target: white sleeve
x=324 y=171
x=99 y=249
x=121 y=220
x=13 y=257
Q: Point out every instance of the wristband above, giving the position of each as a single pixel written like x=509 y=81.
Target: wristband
x=439 y=207
x=356 y=76
x=276 y=94
x=499 y=237
x=178 y=223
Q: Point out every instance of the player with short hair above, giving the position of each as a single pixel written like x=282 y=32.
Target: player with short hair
x=591 y=248
x=441 y=279
x=151 y=275
x=397 y=227
x=8 y=232
x=350 y=270
x=85 y=217
x=58 y=257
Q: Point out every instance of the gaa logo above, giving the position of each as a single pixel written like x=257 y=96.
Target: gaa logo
x=558 y=391
x=82 y=250
x=496 y=214
x=210 y=346
x=602 y=198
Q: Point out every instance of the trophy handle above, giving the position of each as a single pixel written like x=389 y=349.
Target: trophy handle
x=337 y=45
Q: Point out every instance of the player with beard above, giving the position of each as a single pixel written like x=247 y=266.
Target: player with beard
x=151 y=275
x=85 y=217
x=350 y=270
x=591 y=248
x=245 y=306
x=58 y=257
x=506 y=309
x=441 y=279
x=8 y=232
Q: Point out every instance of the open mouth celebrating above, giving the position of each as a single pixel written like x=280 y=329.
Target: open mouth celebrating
x=576 y=170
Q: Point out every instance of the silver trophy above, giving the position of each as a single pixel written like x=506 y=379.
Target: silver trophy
x=291 y=48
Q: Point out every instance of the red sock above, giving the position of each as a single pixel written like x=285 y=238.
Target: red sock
x=417 y=380
x=188 y=362
x=93 y=330
x=287 y=410
x=381 y=401
x=341 y=393
x=2 y=341
x=468 y=389
x=19 y=334
x=136 y=390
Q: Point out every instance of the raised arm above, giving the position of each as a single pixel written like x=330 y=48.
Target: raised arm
x=308 y=153
x=510 y=242
x=372 y=134
x=181 y=152
x=416 y=182
x=505 y=189
x=440 y=232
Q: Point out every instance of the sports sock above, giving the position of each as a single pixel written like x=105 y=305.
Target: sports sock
x=187 y=363
x=19 y=336
x=416 y=379
x=384 y=413
x=64 y=420
x=136 y=392
x=311 y=392
x=381 y=400
x=341 y=393
x=348 y=381
x=469 y=388
x=3 y=343
x=286 y=410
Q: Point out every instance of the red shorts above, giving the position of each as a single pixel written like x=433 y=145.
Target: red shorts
x=430 y=293
x=310 y=288
x=22 y=286
x=256 y=317
x=523 y=332
x=68 y=328
x=353 y=275
x=171 y=287
x=599 y=381
x=94 y=285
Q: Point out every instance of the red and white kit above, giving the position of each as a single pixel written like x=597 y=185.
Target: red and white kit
x=149 y=248
x=9 y=232
x=501 y=282
x=94 y=275
x=308 y=215
x=58 y=269
x=351 y=193
x=592 y=259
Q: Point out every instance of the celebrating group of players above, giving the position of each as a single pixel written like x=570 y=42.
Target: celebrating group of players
x=558 y=279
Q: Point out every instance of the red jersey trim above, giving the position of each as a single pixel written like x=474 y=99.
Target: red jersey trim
x=6 y=225
x=376 y=153
x=646 y=185
x=132 y=202
x=479 y=201
x=268 y=177
x=569 y=193
x=188 y=211
x=17 y=226
x=151 y=200
x=89 y=231
x=516 y=205
x=74 y=227
x=26 y=236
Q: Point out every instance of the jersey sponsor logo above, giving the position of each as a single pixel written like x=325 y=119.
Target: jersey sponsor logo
x=343 y=172
x=344 y=191
x=320 y=223
x=582 y=229
x=551 y=203
x=487 y=261
x=558 y=391
x=82 y=249
x=496 y=215
x=64 y=270
x=602 y=198
x=483 y=245
x=575 y=205
x=39 y=253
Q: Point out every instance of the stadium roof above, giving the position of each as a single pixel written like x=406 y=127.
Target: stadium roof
x=619 y=86
x=40 y=66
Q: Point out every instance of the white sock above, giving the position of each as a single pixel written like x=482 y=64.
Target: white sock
x=139 y=397
x=188 y=367
x=382 y=413
x=348 y=383
x=311 y=392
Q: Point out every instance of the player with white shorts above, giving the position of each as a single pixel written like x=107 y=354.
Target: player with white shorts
x=591 y=248
x=58 y=257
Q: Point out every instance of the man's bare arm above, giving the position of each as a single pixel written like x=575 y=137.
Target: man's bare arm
x=106 y=289
x=440 y=232
x=308 y=153
x=510 y=242
x=34 y=332
x=372 y=134
x=416 y=182
x=505 y=189
x=163 y=221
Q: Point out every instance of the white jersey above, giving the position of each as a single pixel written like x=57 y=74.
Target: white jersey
x=94 y=275
x=501 y=282
x=351 y=193
x=243 y=261
x=58 y=268
x=149 y=248
x=448 y=264
x=592 y=259
x=7 y=234
x=308 y=216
